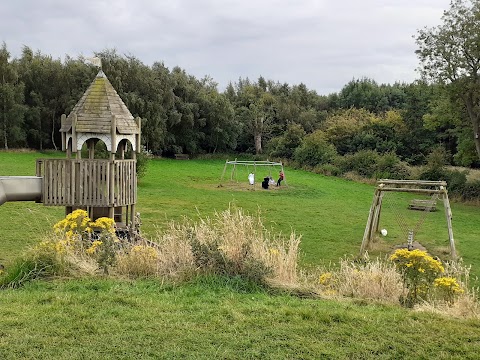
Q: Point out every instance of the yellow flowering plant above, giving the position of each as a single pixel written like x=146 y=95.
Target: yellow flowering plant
x=76 y=225
x=448 y=287
x=419 y=270
x=97 y=238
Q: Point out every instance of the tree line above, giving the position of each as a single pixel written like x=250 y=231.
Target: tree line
x=184 y=114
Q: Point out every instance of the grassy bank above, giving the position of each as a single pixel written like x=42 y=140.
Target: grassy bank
x=215 y=319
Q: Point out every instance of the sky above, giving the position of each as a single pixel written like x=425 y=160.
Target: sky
x=321 y=43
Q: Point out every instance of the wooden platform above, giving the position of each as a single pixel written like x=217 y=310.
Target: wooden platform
x=423 y=205
x=181 y=157
x=84 y=182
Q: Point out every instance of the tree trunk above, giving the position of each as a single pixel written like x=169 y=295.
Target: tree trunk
x=53 y=131
x=257 y=135
x=258 y=142
x=476 y=135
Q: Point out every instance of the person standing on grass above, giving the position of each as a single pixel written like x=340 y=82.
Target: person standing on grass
x=280 y=178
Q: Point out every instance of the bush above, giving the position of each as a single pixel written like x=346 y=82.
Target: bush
x=456 y=181
x=363 y=163
x=471 y=190
x=435 y=169
x=389 y=166
x=143 y=158
x=419 y=271
x=327 y=169
x=314 y=150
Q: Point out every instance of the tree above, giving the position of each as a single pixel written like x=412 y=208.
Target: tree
x=450 y=54
x=11 y=102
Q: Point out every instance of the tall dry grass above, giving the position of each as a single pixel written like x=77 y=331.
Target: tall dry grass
x=372 y=280
x=232 y=235
x=466 y=304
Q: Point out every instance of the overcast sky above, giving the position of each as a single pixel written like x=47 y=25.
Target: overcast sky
x=321 y=43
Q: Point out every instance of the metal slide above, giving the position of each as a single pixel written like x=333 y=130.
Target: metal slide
x=20 y=188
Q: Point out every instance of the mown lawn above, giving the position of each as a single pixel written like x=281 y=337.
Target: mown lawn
x=215 y=319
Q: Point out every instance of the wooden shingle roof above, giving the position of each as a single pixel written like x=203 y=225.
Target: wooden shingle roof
x=95 y=109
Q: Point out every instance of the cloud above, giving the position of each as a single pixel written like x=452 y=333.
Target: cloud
x=321 y=43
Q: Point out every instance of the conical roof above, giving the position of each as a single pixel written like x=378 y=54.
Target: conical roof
x=95 y=109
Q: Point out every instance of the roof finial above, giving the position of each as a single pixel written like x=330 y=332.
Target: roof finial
x=96 y=61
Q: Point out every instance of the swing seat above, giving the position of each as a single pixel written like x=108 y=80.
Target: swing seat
x=428 y=205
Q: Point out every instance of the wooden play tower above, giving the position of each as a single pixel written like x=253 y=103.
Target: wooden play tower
x=102 y=187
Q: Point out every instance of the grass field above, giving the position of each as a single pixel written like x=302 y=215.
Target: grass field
x=221 y=318
x=330 y=213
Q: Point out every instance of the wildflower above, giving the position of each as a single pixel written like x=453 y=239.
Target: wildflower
x=274 y=251
x=92 y=249
x=325 y=278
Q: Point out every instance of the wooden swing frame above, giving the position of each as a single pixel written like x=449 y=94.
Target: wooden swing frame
x=254 y=164
x=409 y=186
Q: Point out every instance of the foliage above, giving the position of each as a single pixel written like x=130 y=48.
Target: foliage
x=314 y=150
x=449 y=54
x=284 y=146
x=94 y=238
x=419 y=271
x=143 y=158
x=449 y=288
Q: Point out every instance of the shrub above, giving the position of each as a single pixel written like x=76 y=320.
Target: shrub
x=210 y=258
x=419 y=270
x=389 y=166
x=363 y=163
x=327 y=169
x=314 y=150
x=448 y=288
x=471 y=190
x=143 y=158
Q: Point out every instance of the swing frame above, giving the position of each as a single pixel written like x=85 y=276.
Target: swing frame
x=410 y=186
x=254 y=163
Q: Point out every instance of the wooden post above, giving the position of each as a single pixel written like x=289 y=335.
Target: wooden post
x=63 y=118
x=368 y=227
x=224 y=169
x=138 y=136
x=74 y=136
x=378 y=210
x=448 y=216
x=91 y=148
x=233 y=171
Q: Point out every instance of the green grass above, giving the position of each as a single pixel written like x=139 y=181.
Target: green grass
x=330 y=213
x=219 y=318
x=215 y=319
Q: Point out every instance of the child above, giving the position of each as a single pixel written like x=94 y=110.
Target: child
x=280 y=178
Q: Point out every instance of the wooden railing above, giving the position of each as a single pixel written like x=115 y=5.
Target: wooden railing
x=85 y=182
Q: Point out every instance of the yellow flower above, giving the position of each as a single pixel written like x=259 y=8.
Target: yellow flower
x=325 y=278
x=274 y=251
x=92 y=249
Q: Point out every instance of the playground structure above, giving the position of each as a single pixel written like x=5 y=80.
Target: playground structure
x=252 y=165
x=437 y=190
x=102 y=187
